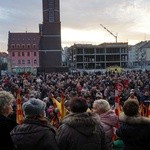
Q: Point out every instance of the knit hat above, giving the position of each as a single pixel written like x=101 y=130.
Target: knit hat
x=33 y=107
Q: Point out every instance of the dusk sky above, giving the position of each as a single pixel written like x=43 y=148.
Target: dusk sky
x=80 y=20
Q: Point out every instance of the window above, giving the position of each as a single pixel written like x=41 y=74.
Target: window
x=34 y=53
x=89 y=51
x=22 y=53
x=23 y=46
x=13 y=62
x=112 y=50
x=34 y=46
x=100 y=50
x=28 y=46
x=79 y=51
x=28 y=61
x=12 y=46
x=13 y=54
x=18 y=45
x=19 y=62
x=28 y=53
x=18 y=53
x=35 y=62
x=23 y=61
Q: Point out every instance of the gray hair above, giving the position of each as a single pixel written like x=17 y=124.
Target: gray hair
x=102 y=105
x=5 y=98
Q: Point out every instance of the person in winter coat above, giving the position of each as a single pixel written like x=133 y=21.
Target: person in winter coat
x=134 y=129
x=80 y=130
x=108 y=118
x=35 y=133
x=6 y=124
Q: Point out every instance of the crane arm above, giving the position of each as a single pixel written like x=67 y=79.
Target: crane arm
x=110 y=32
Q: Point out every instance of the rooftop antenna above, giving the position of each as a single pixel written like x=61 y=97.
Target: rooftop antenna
x=110 y=32
x=26 y=29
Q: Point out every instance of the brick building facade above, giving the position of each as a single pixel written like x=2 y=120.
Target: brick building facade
x=38 y=51
x=23 y=52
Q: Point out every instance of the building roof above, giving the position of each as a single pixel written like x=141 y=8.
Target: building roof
x=147 y=45
x=23 y=38
x=119 y=44
x=3 y=54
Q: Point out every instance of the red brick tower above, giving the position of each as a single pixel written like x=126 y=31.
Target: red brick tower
x=50 y=30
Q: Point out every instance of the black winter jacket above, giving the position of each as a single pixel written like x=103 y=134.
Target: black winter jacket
x=32 y=135
x=6 y=125
x=135 y=132
x=81 y=131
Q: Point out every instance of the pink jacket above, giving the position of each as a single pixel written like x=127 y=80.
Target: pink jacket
x=109 y=120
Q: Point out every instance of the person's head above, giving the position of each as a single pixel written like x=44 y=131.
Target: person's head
x=99 y=95
x=34 y=108
x=73 y=94
x=6 y=102
x=78 y=105
x=32 y=95
x=146 y=93
x=101 y=106
x=132 y=93
x=131 y=108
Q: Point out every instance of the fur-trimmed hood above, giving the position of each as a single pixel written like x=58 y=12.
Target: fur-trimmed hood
x=85 y=123
x=134 y=119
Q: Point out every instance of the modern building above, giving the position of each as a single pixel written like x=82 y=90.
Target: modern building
x=3 y=62
x=3 y=57
x=139 y=55
x=23 y=52
x=97 y=57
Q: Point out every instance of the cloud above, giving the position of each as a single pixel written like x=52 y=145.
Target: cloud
x=81 y=19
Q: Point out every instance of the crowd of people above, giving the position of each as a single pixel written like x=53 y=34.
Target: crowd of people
x=90 y=121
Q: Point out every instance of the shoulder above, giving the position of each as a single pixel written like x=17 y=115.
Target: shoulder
x=81 y=118
x=134 y=119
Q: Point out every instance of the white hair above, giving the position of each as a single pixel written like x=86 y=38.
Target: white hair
x=102 y=105
x=5 y=98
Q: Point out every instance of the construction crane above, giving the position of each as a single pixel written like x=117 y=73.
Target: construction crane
x=109 y=32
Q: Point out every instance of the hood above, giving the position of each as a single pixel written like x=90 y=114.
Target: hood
x=134 y=119
x=109 y=118
x=84 y=123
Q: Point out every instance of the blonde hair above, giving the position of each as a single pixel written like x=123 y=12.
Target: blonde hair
x=5 y=98
x=102 y=105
